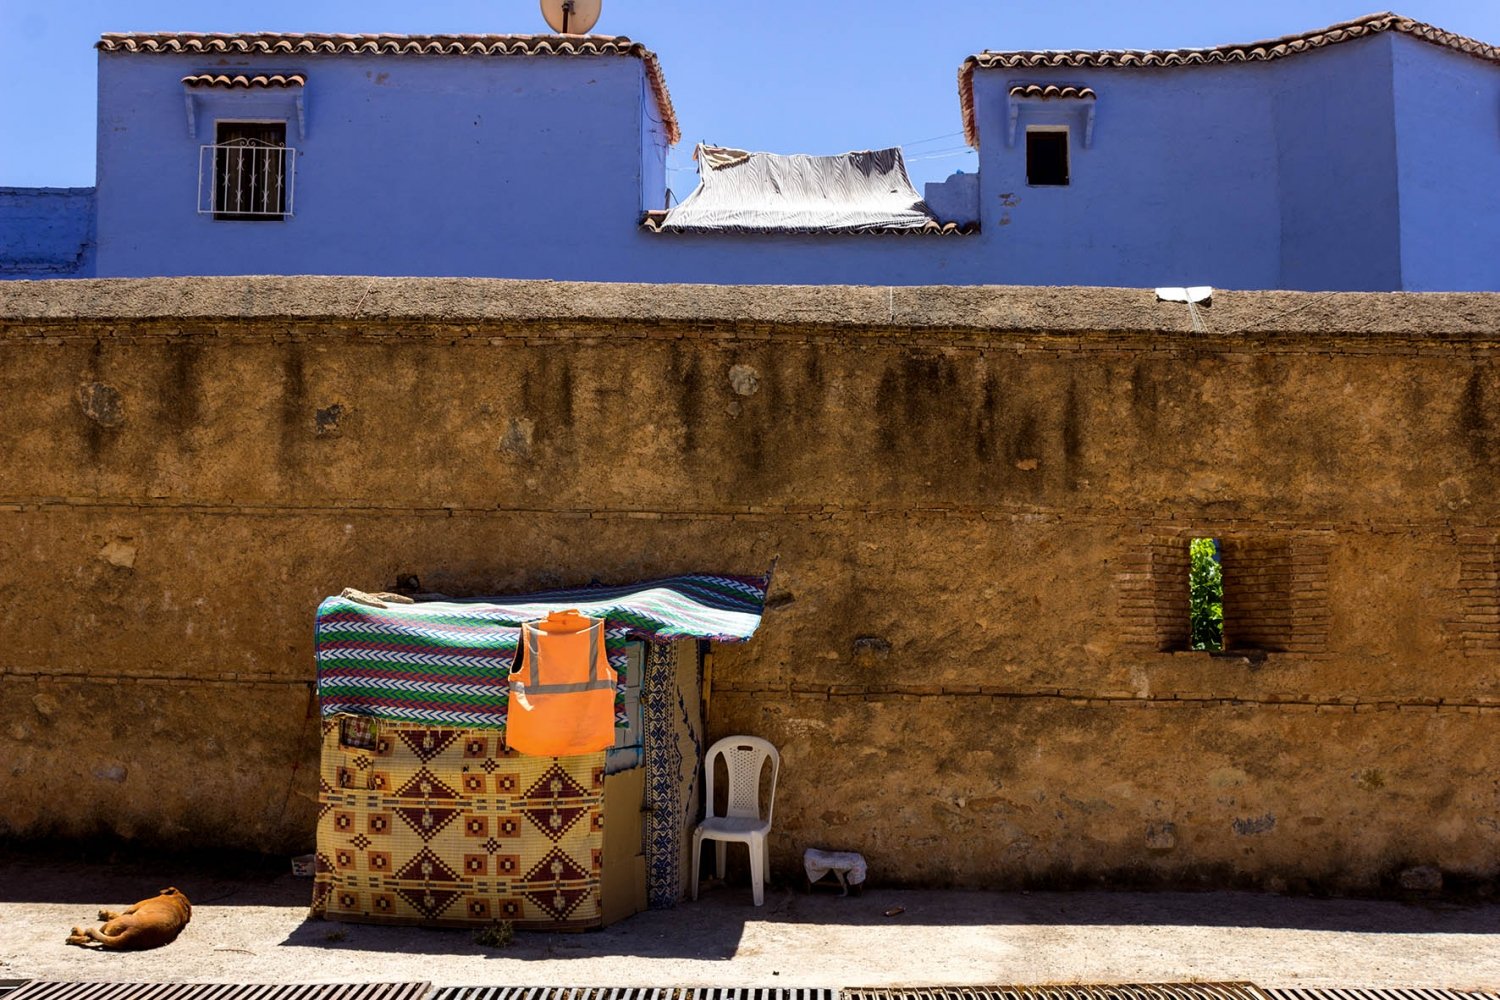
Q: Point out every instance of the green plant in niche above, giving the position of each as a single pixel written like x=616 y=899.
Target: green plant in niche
x=1206 y=594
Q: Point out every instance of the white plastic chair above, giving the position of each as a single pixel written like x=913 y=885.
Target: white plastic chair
x=744 y=757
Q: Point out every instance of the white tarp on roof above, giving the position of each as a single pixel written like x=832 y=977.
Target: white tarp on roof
x=740 y=191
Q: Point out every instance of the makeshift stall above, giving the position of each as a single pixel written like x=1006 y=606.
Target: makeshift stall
x=427 y=815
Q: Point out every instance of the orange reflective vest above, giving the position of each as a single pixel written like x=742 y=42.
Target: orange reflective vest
x=562 y=700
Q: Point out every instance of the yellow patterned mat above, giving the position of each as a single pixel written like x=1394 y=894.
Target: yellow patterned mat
x=447 y=827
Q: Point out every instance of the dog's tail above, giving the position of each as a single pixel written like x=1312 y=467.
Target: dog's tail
x=85 y=936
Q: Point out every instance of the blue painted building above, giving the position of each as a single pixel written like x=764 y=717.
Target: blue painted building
x=1356 y=157
x=46 y=232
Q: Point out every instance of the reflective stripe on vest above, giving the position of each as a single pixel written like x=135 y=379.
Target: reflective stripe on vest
x=594 y=683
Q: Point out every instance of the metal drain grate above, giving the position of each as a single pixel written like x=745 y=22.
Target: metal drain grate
x=1375 y=994
x=627 y=993
x=48 y=990
x=1132 y=991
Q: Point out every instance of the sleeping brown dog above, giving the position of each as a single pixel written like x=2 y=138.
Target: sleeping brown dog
x=150 y=923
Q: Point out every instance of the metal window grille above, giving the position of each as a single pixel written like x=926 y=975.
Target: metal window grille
x=246 y=179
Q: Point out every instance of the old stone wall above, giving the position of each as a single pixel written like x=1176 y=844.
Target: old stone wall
x=979 y=500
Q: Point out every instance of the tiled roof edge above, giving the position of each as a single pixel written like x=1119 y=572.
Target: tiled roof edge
x=241 y=80
x=284 y=44
x=653 y=222
x=1261 y=51
x=1053 y=92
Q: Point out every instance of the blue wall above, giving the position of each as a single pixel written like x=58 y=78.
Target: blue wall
x=1336 y=143
x=1447 y=114
x=526 y=167
x=1178 y=188
x=1364 y=165
x=521 y=166
x=955 y=199
x=46 y=232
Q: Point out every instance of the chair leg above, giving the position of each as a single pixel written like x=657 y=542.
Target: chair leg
x=697 y=850
x=720 y=847
x=758 y=871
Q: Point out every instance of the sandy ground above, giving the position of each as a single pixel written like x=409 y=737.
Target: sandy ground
x=250 y=926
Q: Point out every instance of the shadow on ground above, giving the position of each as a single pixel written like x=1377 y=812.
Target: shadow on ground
x=713 y=927
x=99 y=875
x=709 y=930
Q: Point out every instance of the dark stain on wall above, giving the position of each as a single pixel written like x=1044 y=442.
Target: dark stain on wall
x=772 y=397
x=1473 y=422
x=179 y=404
x=986 y=423
x=293 y=408
x=1023 y=444
x=1072 y=435
x=1144 y=396
x=564 y=399
x=547 y=394
x=886 y=396
x=683 y=366
x=326 y=420
x=914 y=406
x=95 y=432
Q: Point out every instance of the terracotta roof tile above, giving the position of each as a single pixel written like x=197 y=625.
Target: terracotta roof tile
x=654 y=222
x=1262 y=51
x=241 y=80
x=283 y=44
x=1052 y=92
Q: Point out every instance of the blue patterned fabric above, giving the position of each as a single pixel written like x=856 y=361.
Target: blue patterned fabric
x=673 y=750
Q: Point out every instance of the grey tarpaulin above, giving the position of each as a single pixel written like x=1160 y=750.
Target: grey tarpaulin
x=771 y=192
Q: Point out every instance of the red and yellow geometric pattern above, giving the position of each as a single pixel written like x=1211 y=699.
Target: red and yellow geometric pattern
x=447 y=827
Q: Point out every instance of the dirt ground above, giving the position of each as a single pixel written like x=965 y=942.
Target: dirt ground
x=249 y=925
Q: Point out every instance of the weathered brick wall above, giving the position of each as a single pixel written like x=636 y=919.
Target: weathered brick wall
x=980 y=500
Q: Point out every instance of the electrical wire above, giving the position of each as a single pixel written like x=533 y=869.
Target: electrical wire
x=945 y=149
x=933 y=138
x=939 y=156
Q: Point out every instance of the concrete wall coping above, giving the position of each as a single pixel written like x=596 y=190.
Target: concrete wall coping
x=11 y=189
x=950 y=308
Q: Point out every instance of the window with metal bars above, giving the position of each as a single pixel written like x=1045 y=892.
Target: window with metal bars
x=251 y=171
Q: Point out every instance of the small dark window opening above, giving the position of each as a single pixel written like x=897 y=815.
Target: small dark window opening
x=250 y=171
x=1206 y=594
x=1047 y=157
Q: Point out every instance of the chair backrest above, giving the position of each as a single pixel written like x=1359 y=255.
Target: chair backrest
x=744 y=756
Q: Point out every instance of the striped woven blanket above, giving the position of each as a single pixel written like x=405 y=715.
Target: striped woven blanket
x=448 y=662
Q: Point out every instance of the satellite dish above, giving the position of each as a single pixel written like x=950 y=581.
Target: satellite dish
x=571 y=17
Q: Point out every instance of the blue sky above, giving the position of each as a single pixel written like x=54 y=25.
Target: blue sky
x=780 y=75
